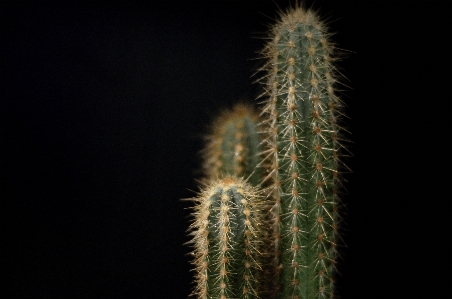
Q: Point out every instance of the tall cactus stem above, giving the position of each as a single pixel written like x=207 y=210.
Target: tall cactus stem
x=303 y=143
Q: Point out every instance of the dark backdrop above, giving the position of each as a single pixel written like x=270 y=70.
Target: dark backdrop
x=103 y=109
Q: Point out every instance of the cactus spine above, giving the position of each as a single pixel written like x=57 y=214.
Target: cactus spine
x=233 y=147
x=303 y=146
x=226 y=238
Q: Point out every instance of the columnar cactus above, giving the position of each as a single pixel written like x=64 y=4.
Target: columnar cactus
x=303 y=142
x=234 y=145
x=284 y=244
x=226 y=234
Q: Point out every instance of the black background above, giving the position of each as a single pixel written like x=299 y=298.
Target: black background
x=103 y=109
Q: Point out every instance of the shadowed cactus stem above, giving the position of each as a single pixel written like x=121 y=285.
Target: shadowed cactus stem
x=233 y=147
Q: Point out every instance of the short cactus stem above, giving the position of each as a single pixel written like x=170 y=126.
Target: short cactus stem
x=302 y=138
x=233 y=147
x=226 y=234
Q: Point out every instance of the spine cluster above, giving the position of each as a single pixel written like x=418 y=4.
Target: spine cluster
x=226 y=234
x=302 y=150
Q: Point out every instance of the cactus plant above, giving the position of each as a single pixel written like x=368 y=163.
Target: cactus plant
x=303 y=161
x=226 y=235
x=303 y=142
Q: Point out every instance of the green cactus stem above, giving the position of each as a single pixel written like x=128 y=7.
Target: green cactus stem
x=303 y=144
x=226 y=234
x=233 y=147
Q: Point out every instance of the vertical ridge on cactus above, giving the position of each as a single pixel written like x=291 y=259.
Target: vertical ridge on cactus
x=226 y=237
x=303 y=150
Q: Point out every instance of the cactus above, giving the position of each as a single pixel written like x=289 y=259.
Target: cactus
x=303 y=142
x=298 y=229
x=233 y=147
x=226 y=234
